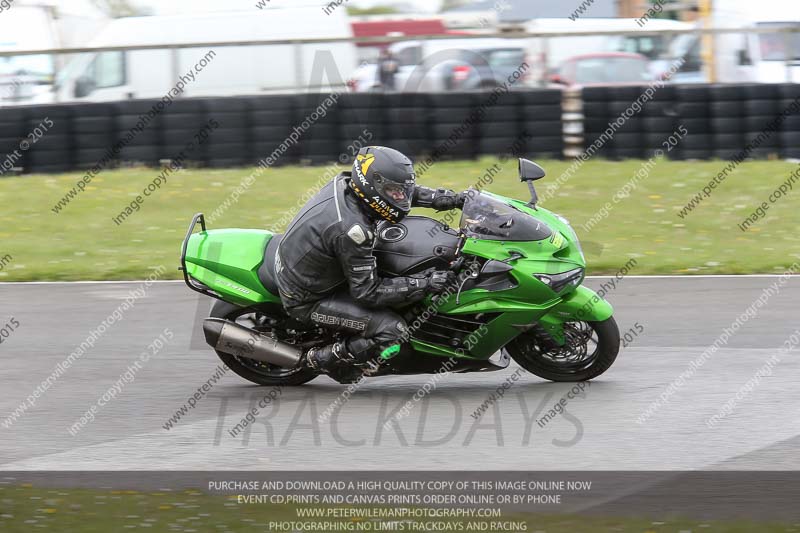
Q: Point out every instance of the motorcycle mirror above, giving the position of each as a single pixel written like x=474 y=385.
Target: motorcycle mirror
x=529 y=171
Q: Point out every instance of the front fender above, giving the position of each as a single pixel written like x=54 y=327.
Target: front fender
x=582 y=304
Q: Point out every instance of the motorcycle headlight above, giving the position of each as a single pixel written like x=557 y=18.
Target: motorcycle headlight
x=559 y=282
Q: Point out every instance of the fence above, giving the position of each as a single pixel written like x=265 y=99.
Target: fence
x=541 y=41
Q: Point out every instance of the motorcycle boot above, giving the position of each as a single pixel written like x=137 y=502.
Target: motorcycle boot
x=326 y=358
x=336 y=361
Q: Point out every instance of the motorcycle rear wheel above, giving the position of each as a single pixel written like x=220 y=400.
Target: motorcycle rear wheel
x=591 y=349
x=257 y=371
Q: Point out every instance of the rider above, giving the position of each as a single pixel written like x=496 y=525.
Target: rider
x=325 y=267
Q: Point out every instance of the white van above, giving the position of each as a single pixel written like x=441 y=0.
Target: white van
x=29 y=79
x=26 y=79
x=741 y=57
x=225 y=70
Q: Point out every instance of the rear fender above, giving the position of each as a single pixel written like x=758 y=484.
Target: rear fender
x=227 y=261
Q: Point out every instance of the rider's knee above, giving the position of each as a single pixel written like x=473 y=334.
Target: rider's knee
x=388 y=328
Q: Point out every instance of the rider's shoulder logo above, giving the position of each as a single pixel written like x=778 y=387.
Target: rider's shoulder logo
x=358 y=234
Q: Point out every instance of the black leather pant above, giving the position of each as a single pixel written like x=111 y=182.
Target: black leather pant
x=373 y=329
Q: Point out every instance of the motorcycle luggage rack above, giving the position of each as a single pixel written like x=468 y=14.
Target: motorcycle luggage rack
x=191 y=282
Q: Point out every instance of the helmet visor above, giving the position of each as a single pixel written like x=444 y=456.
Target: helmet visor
x=395 y=193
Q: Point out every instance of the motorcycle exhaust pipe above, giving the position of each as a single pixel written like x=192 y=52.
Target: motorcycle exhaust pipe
x=231 y=338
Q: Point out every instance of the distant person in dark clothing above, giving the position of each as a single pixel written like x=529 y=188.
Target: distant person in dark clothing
x=387 y=69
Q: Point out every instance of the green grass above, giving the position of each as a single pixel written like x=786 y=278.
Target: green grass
x=24 y=509
x=83 y=243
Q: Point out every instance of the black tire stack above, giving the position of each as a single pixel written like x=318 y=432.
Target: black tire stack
x=246 y=130
x=319 y=143
x=450 y=133
x=727 y=123
x=94 y=134
x=541 y=124
x=407 y=124
x=362 y=122
x=501 y=126
x=761 y=108
x=628 y=142
x=151 y=144
x=694 y=113
x=790 y=128
x=229 y=133
x=658 y=121
x=271 y=123
x=720 y=121
x=638 y=125
x=12 y=131
x=50 y=147
x=595 y=119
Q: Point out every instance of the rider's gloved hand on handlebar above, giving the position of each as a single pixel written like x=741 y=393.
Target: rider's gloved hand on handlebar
x=436 y=281
x=461 y=199
x=445 y=200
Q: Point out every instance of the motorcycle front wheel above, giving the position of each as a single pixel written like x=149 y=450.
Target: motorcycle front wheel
x=590 y=350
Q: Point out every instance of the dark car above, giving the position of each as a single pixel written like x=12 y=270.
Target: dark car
x=451 y=65
x=486 y=68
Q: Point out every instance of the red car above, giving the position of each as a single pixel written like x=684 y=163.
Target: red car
x=607 y=68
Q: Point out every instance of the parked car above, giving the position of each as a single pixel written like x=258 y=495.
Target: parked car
x=450 y=65
x=484 y=68
x=611 y=68
x=552 y=48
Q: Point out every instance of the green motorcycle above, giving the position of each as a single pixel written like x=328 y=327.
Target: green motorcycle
x=518 y=296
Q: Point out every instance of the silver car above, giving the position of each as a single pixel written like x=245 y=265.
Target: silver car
x=450 y=65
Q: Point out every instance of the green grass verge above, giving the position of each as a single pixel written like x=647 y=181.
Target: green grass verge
x=83 y=243
x=24 y=509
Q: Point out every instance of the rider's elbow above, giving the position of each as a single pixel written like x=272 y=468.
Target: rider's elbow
x=367 y=298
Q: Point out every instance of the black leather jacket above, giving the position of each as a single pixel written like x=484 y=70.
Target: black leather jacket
x=328 y=247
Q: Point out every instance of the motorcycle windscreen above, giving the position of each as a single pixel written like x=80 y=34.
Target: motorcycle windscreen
x=485 y=217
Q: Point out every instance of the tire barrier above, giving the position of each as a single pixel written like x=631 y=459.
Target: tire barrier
x=296 y=129
x=723 y=121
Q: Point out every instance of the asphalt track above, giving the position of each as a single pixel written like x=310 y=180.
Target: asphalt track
x=680 y=318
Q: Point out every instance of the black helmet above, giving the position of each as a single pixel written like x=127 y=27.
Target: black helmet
x=384 y=178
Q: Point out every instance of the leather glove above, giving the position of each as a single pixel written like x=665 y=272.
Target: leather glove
x=437 y=281
x=445 y=200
